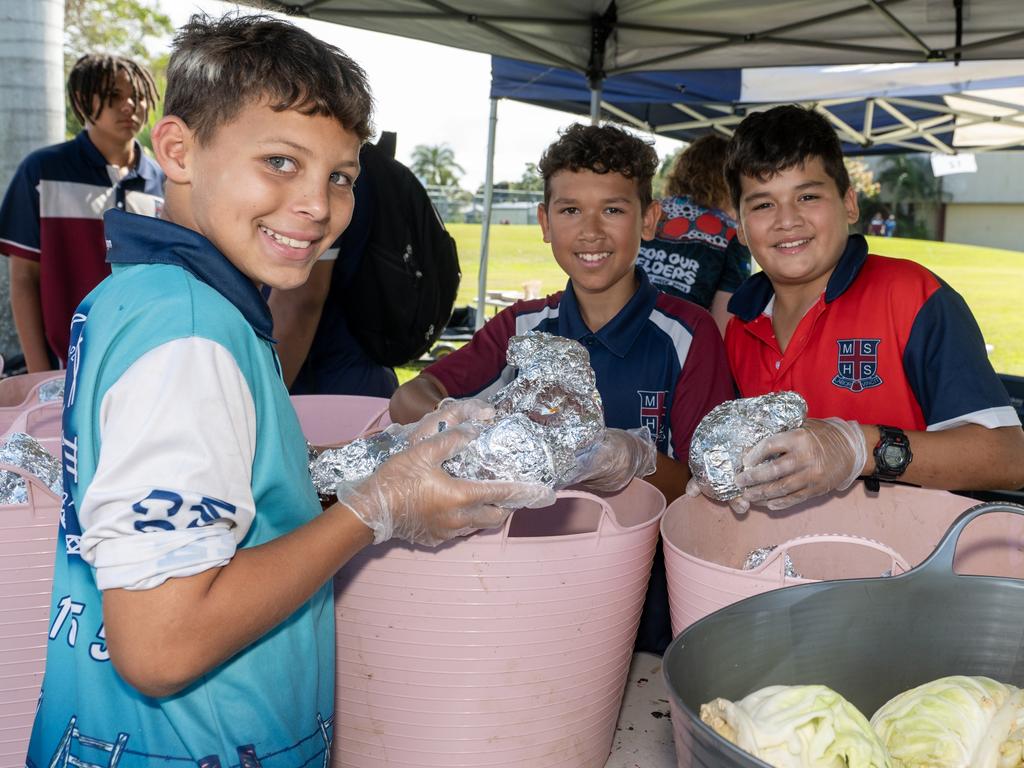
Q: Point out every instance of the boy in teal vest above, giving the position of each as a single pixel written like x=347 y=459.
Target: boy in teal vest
x=192 y=620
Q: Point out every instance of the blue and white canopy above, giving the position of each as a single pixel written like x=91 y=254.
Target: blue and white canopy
x=923 y=107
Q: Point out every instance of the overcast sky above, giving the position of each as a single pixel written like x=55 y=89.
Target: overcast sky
x=431 y=94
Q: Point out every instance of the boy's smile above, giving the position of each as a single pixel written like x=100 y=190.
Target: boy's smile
x=796 y=223
x=594 y=223
x=271 y=190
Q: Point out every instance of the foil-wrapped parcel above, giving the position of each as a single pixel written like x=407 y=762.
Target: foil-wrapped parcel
x=731 y=429
x=27 y=453
x=546 y=416
x=759 y=555
x=52 y=390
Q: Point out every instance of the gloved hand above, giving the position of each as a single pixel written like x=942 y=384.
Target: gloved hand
x=448 y=413
x=618 y=457
x=738 y=505
x=412 y=498
x=823 y=455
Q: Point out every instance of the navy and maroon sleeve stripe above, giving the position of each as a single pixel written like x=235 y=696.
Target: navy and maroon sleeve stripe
x=476 y=365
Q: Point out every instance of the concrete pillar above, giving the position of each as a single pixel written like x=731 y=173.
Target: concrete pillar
x=31 y=103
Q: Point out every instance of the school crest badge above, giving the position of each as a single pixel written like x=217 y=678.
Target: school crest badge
x=652 y=412
x=857 y=364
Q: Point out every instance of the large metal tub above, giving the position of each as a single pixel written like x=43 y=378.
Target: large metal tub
x=868 y=639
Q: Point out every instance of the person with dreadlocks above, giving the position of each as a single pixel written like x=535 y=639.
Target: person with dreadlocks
x=51 y=219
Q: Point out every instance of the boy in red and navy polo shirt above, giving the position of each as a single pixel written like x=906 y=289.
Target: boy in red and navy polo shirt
x=659 y=360
x=51 y=219
x=889 y=358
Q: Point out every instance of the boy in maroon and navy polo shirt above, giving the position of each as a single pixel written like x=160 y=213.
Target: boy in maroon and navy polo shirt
x=889 y=358
x=658 y=360
x=51 y=220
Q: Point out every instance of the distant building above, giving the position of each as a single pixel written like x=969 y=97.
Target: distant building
x=987 y=207
x=514 y=213
x=983 y=208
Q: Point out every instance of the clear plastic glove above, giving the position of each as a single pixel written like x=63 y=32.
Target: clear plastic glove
x=738 y=505
x=412 y=498
x=446 y=414
x=823 y=455
x=617 y=458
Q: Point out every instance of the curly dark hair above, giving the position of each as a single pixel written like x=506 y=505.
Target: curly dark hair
x=601 y=149
x=219 y=66
x=766 y=143
x=93 y=79
x=699 y=172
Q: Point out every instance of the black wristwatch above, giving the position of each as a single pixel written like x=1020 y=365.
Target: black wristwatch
x=892 y=453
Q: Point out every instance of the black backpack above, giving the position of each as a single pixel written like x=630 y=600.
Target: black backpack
x=403 y=291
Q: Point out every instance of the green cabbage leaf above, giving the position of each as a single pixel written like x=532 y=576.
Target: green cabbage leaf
x=798 y=726
x=954 y=722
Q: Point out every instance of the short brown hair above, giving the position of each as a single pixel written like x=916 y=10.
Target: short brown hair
x=699 y=172
x=95 y=75
x=601 y=149
x=219 y=66
x=766 y=143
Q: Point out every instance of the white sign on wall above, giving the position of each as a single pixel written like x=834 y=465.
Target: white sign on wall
x=944 y=165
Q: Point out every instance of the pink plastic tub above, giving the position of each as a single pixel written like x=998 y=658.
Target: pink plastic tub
x=852 y=535
x=28 y=535
x=18 y=393
x=43 y=422
x=333 y=419
x=506 y=648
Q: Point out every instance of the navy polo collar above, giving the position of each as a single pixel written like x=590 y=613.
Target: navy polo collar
x=622 y=330
x=134 y=239
x=753 y=296
x=143 y=167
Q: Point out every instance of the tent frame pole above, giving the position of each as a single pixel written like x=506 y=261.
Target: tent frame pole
x=485 y=229
x=595 y=104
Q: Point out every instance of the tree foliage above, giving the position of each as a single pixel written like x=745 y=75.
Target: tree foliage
x=862 y=179
x=660 y=181
x=907 y=179
x=121 y=27
x=112 y=26
x=530 y=181
x=434 y=165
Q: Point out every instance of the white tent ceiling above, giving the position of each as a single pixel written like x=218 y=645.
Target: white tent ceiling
x=600 y=38
x=604 y=37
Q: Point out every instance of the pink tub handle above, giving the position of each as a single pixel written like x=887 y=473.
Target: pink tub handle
x=776 y=560
x=375 y=422
x=20 y=423
x=607 y=513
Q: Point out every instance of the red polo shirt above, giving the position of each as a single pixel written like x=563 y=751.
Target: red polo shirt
x=887 y=343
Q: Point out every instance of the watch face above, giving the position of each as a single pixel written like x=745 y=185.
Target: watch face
x=893 y=456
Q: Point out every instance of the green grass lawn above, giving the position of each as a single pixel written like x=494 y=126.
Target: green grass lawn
x=990 y=279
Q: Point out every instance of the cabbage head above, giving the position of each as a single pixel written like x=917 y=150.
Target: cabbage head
x=954 y=722
x=798 y=726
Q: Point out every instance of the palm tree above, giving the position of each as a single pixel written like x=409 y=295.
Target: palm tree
x=435 y=165
x=906 y=179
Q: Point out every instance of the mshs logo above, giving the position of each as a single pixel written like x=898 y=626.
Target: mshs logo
x=652 y=413
x=857 y=364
